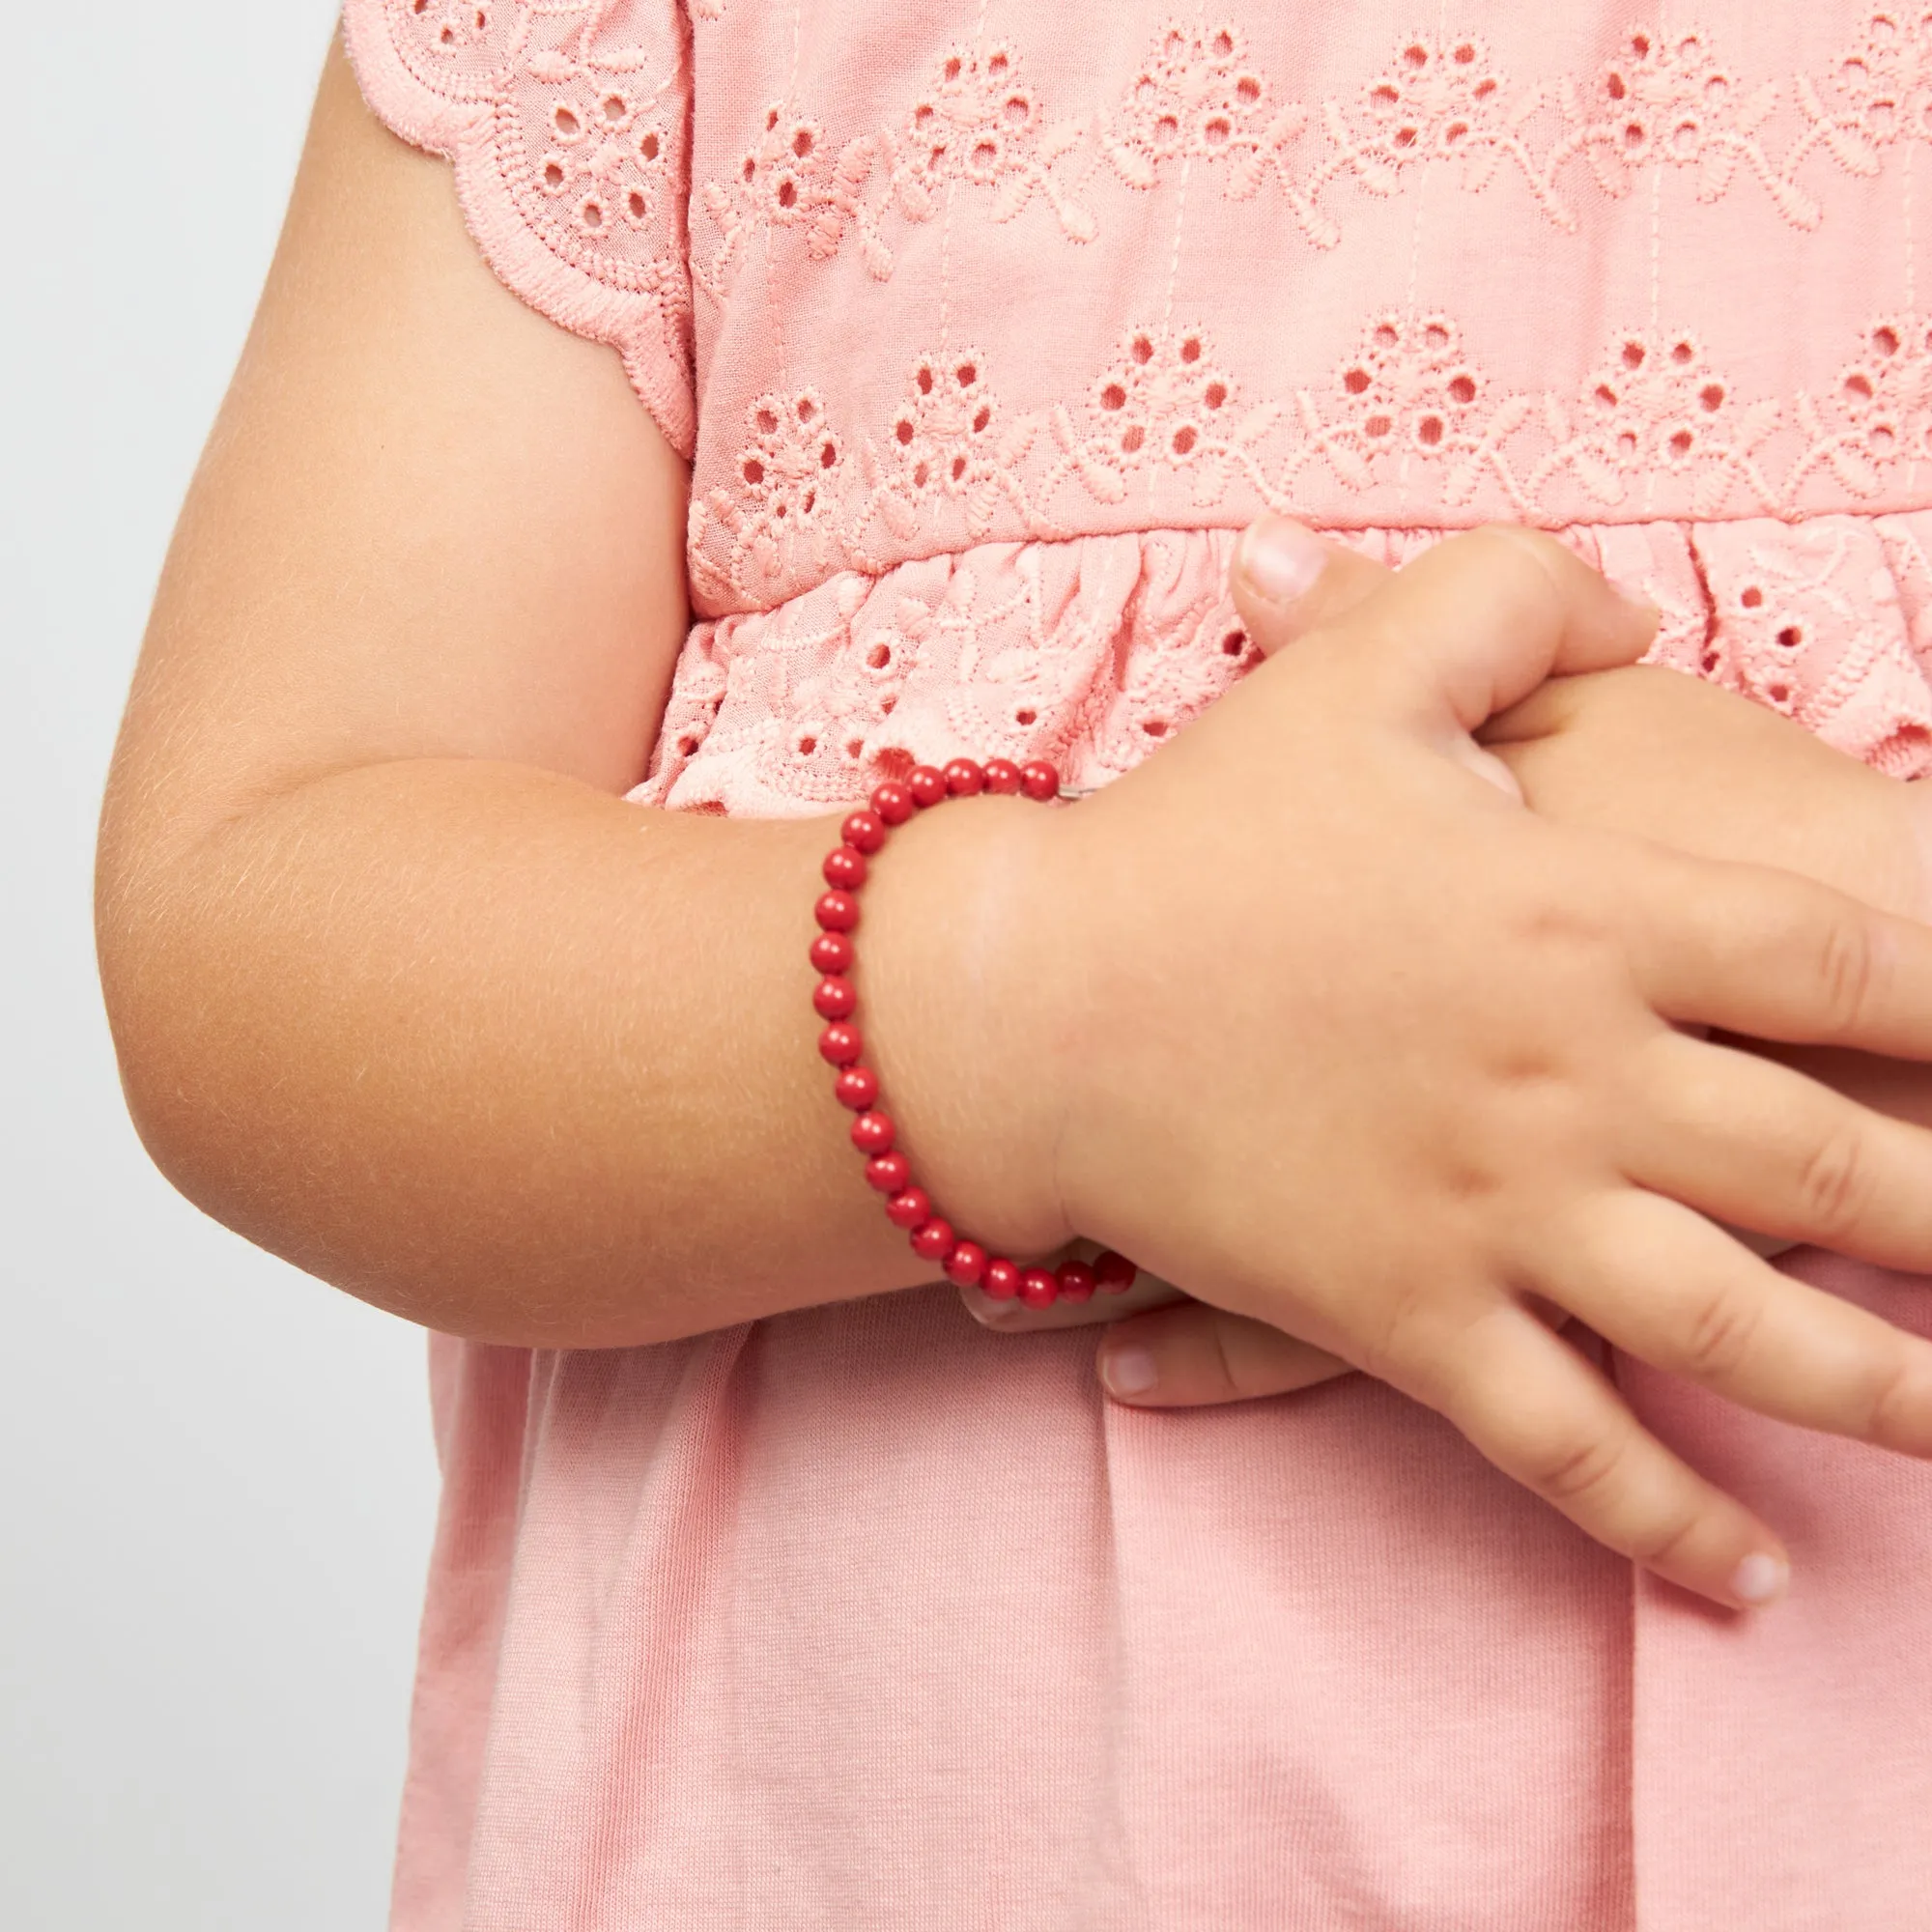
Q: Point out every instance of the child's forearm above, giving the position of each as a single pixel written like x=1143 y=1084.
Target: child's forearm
x=505 y=1054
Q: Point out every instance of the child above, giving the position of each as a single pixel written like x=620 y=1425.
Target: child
x=760 y=1597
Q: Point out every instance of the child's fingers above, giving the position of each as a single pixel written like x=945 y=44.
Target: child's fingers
x=1190 y=1355
x=1296 y=582
x=1662 y=1283
x=1755 y=1144
x=1545 y=1415
x=1477 y=623
x=1773 y=956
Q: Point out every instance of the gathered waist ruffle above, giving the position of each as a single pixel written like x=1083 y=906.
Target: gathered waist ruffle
x=1093 y=650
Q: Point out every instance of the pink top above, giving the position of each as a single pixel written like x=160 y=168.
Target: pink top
x=986 y=325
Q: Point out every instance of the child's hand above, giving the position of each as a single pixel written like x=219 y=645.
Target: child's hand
x=1455 y=1100
x=1641 y=751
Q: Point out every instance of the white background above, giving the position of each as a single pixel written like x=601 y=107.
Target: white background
x=218 y=1473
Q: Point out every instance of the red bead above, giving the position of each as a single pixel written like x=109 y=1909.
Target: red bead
x=844 y=869
x=1076 y=1281
x=934 y=1241
x=832 y=953
x=835 y=999
x=966 y=1264
x=1113 y=1274
x=964 y=778
x=864 y=832
x=1039 y=1287
x=1039 y=780
x=873 y=1133
x=839 y=1044
x=1002 y=775
x=927 y=783
x=837 y=912
x=1002 y=1279
x=889 y=1173
x=909 y=1210
x=893 y=803
x=857 y=1088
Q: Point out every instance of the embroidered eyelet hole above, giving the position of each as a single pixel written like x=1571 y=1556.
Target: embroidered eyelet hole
x=1247 y=89
x=1484 y=88
x=650 y=147
x=1683 y=352
x=828 y=454
x=998 y=62
x=1184 y=439
x=966 y=374
x=1166 y=132
x=1711 y=396
x=921 y=116
x=903 y=430
x=1607 y=395
x=1791 y=637
x=1778 y=693
x=1235 y=643
x=1215 y=131
x=1025 y=719
x=1190 y=349
x=1378 y=427
x=753 y=471
x=1415 y=56
x=1018 y=110
x=1456 y=133
x=1465 y=54
x=1463 y=389
x=1214 y=395
x=1640 y=45
x=1132 y=438
x=958 y=467
x=1885 y=339
x=806 y=745
x=924 y=380
x=1143 y=349
x=879 y=657
x=982 y=416
x=802 y=142
x=1407 y=136
x=552 y=176
x=1436 y=336
x=636 y=203
x=590 y=212
x=1634 y=355
x=1113 y=397
x=615 y=108
x=1680 y=443
x=1223 y=43
x=1154 y=728
x=1750 y=597
x=1384 y=95
x=564 y=124
x=951 y=67
x=1429 y=430
x=1883 y=439
x=1634 y=136
x=1355 y=381
x=447 y=34
x=921 y=472
x=886 y=708
x=787 y=192
x=767 y=419
x=807 y=409
x=751 y=168
x=687 y=747
x=1615 y=85
x=1386 y=336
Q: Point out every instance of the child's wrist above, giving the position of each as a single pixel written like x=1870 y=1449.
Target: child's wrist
x=964 y=966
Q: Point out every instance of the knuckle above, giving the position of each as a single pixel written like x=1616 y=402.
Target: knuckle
x=1657 y=1544
x=1575 y=1471
x=1719 y=1334
x=1894 y=1411
x=1834 y=1184
x=1847 y=971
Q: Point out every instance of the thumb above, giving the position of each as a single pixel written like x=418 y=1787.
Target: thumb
x=1475 y=624
x=1191 y=1355
x=1295 y=581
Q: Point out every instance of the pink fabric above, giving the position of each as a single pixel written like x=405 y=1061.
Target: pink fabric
x=986 y=325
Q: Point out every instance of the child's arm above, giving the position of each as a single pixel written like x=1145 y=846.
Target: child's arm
x=404 y=991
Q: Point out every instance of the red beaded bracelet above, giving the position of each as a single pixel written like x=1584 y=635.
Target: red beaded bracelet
x=908 y=1205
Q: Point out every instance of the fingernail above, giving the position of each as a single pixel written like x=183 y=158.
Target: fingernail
x=1280 y=559
x=1128 y=1371
x=1760 y=1578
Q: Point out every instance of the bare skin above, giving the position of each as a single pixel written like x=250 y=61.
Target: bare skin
x=404 y=991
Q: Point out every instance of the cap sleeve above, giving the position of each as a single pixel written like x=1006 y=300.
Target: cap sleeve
x=568 y=127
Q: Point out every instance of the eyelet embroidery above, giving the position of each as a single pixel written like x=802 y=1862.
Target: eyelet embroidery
x=1654 y=414
x=1663 y=100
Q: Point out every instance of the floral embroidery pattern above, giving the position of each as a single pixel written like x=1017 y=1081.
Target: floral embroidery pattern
x=1654 y=414
x=1662 y=101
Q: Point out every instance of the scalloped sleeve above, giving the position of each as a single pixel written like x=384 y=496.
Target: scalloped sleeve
x=568 y=127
